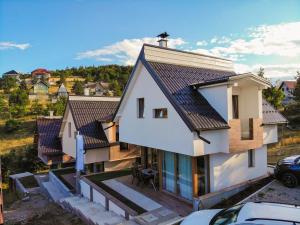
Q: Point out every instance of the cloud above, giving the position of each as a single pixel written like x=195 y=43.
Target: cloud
x=201 y=43
x=271 y=70
x=280 y=40
x=125 y=51
x=12 y=45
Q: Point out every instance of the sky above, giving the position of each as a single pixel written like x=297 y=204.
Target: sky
x=55 y=34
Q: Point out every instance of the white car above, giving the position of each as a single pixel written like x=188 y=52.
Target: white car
x=259 y=213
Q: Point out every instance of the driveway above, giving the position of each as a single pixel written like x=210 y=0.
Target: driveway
x=277 y=192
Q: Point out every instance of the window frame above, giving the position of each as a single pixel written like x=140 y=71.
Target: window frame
x=140 y=108
x=235 y=113
x=251 y=158
x=69 y=129
x=158 y=111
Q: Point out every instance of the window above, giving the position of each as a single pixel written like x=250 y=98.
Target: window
x=117 y=133
x=124 y=146
x=235 y=106
x=69 y=129
x=141 y=106
x=251 y=158
x=227 y=216
x=160 y=113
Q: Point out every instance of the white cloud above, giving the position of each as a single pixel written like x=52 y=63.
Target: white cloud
x=12 y=45
x=201 y=43
x=125 y=51
x=281 y=40
x=271 y=70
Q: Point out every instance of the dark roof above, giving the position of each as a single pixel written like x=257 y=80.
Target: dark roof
x=12 y=72
x=176 y=80
x=48 y=131
x=271 y=115
x=291 y=84
x=87 y=116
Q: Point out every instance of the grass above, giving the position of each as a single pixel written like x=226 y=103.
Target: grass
x=19 y=139
x=29 y=182
x=288 y=145
x=98 y=178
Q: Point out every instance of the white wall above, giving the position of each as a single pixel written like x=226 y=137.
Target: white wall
x=169 y=134
x=96 y=155
x=69 y=143
x=230 y=169
x=218 y=98
x=270 y=134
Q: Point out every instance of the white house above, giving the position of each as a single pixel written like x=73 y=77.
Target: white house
x=92 y=118
x=288 y=88
x=206 y=127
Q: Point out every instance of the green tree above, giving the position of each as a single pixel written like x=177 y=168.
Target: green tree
x=88 y=78
x=8 y=83
x=37 y=108
x=116 y=88
x=58 y=107
x=23 y=85
x=272 y=94
x=3 y=106
x=78 y=88
x=297 y=88
x=18 y=100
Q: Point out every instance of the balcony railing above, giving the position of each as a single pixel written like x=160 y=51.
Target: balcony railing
x=240 y=141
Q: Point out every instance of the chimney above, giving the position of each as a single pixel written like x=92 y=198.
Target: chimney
x=51 y=113
x=163 y=39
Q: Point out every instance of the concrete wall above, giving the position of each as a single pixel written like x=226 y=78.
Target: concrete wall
x=230 y=169
x=270 y=134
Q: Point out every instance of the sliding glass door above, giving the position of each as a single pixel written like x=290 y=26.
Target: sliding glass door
x=185 y=176
x=169 y=171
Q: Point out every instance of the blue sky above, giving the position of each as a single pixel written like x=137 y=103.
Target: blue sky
x=55 y=34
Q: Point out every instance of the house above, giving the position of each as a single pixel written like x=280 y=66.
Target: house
x=288 y=87
x=40 y=73
x=12 y=73
x=48 y=141
x=95 y=88
x=40 y=87
x=62 y=91
x=206 y=127
x=92 y=118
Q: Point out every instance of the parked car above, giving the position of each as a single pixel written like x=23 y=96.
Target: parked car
x=287 y=170
x=247 y=213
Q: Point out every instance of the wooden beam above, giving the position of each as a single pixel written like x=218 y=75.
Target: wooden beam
x=194 y=177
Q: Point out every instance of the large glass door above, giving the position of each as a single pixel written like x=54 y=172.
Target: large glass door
x=185 y=186
x=169 y=171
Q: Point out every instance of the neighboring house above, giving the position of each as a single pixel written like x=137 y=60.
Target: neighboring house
x=13 y=74
x=95 y=88
x=62 y=91
x=92 y=118
x=48 y=142
x=288 y=88
x=40 y=73
x=206 y=127
x=40 y=87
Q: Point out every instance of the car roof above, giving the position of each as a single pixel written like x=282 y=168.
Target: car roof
x=270 y=211
x=291 y=158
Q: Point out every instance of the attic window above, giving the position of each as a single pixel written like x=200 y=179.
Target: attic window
x=141 y=106
x=160 y=113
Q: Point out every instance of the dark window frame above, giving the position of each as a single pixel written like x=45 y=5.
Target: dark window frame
x=235 y=106
x=251 y=158
x=140 y=108
x=160 y=113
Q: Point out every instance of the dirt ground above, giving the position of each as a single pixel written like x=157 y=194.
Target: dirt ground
x=39 y=211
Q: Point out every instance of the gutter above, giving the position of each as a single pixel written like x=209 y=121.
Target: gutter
x=202 y=138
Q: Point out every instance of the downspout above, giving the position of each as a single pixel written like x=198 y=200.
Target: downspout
x=202 y=138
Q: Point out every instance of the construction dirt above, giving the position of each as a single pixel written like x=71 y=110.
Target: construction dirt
x=38 y=210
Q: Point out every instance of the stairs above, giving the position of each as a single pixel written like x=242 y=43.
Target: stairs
x=90 y=212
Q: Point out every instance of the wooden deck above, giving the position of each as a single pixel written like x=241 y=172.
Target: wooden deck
x=181 y=207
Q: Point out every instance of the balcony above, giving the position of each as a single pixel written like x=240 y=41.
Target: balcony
x=239 y=142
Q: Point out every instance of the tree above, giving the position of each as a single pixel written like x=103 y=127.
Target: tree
x=37 y=108
x=272 y=94
x=116 y=88
x=88 y=78
x=297 y=88
x=18 y=100
x=23 y=85
x=62 y=79
x=261 y=72
x=8 y=83
x=78 y=87
x=58 y=107
x=3 y=106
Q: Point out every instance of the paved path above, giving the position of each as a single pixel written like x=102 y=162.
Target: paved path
x=53 y=191
x=93 y=211
x=134 y=196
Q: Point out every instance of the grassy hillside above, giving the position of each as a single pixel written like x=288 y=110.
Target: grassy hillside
x=19 y=139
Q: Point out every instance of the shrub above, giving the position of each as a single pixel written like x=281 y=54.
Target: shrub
x=12 y=125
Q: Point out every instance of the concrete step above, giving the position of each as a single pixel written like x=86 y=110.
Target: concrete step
x=54 y=193
x=91 y=211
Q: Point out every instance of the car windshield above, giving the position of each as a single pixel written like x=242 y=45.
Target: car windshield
x=227 y=216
